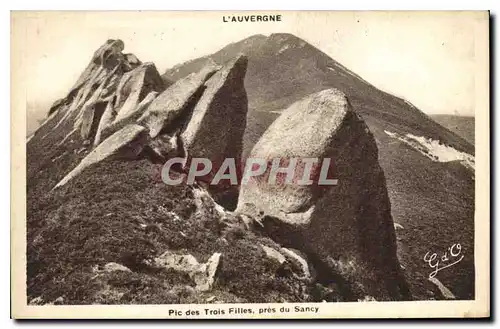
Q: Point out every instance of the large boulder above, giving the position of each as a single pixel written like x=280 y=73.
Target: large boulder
x=217 y=125
x=175 y=101
x=348 y=225
x=126 y=143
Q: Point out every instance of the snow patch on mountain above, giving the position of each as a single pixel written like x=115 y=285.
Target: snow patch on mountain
x=434 y=150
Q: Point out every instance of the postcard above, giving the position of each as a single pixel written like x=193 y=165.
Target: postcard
x=250 y=165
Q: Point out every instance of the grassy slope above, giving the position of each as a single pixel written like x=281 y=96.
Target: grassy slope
x=461 y=125
x=433 y=201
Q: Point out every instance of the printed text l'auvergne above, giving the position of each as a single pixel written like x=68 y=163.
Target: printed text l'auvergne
x=251 y=18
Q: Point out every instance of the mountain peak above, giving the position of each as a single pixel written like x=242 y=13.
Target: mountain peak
x=284 y=36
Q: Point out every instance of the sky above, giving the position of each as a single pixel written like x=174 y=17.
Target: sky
x=431 y=59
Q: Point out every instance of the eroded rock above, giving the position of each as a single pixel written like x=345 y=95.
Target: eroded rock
x=109 y=124
x=205 y=276
x=126 y=143
x=217 y=125
x=134 y=93
x=175 y=101
x=351 y=221
x=133 y=88
x=88 y=98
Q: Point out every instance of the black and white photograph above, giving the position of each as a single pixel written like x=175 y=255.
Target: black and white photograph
x=250 y=164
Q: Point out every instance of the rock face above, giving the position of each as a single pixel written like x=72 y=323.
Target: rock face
x=202 y=274
x=92 y=110
x=303 y=263
x=203 y=114
x=273 y=254
x=175 y=101
x=125 y=143
x=134 y=86
x=107 y=57
x=95 y=91
x=217 y=125
x=349 y=223
x=56 y=105
x=136 y=90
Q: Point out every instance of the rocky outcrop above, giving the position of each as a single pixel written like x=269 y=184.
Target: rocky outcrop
x=107 y=58
x=200 y=115
x=175 y=101
x=135 y=92
x=348 y=223
x=217 y=125
x=205 y=108
x=106 y=120
x=126 y=143
x=95 y=89
x=108 y=53
x=202 y=274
